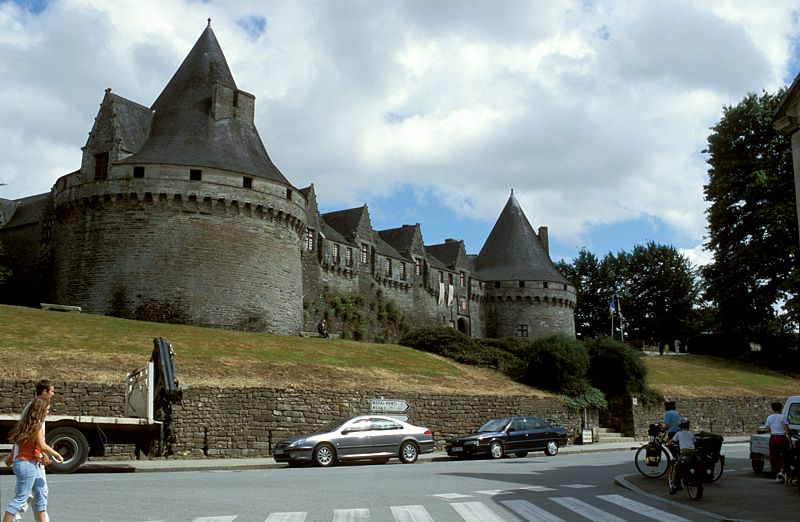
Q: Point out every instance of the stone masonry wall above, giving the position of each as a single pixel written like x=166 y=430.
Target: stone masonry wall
x=247 y=422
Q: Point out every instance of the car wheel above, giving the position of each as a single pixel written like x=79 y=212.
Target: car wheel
x=496 y=450
x=551 y=448
x=521 y=454
x=408 y=453
x=758 y=465
x=324 y=455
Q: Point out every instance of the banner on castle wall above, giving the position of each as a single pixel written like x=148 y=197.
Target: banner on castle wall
x=441 y=293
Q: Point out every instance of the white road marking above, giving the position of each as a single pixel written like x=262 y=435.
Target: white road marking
x=530 y=511
x=451 y=496
x=642 y=509
x=475 y=512
x=289 y=516
x=410 y=514
x=349 y=515
x=586 y=510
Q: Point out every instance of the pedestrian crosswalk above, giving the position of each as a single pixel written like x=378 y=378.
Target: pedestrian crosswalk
x=457 y=507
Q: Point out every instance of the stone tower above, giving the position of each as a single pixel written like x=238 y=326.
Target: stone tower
x=178 y=214
x=524 y=294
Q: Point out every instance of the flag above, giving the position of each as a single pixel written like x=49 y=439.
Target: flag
x=612 y=307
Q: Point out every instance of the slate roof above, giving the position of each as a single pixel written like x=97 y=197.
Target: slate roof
x=132 y=121
x=346 y=221
x=385 y=249
x=513 y=250
x=446 y=252
x=184 y=131
x=332 y=234
x=24 y=211
x=401 y=239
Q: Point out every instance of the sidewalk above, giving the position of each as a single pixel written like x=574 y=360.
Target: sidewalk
x=201 y=464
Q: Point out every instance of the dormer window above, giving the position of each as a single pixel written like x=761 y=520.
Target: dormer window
x=289 y=194
x=195 y=175
x=138 y=172
x=247 y=182
x=101 y=166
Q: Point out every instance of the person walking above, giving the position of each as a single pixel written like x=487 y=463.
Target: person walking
x=27 y=436
x=46 y=390
x=779 y=440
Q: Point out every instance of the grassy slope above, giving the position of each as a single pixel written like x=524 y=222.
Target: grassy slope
x=36 y=343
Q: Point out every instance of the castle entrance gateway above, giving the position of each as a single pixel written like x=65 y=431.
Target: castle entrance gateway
x=462 y=325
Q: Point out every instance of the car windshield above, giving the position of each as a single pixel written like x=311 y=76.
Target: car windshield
x=494 y=425
x=331 y=426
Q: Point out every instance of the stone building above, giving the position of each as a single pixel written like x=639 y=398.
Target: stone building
x=178 y=214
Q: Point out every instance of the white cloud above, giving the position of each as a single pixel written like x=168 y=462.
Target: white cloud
x=594 y=112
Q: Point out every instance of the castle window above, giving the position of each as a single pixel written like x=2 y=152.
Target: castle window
x=522 y=330
x=522 y=284
x=418 y=267
x=349 y=256
x=402 y=271
x=544 y=284
x=450 y=279
x=335 y=252
x=247 y=182
x=289 y=194
x=462 y=304
x=388 y=267
x=441 y=276
x=101 y=166
x=565 y=287
x=462 y=279
x=195 y=175
x=138 y=172
x=364 y=253
x=310 y=240
x=497 y=284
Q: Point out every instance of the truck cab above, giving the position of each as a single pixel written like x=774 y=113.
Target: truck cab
x=759 y=442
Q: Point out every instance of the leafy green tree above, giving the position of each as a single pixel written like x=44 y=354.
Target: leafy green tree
x=558 y=363
x=752 y=222
x=594 y=288
x=657 y=287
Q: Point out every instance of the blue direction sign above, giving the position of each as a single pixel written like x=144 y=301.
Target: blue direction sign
x=388 y=406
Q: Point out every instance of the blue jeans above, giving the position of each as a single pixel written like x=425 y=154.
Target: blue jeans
x=30 y=477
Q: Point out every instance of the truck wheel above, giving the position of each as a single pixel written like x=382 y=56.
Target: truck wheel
x=73 y=447
x=758 y=465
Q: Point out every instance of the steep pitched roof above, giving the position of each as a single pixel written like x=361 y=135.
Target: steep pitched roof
x=24 y=211
x=347 y=222
x=403 y=238
x=451 y=253
x=513 y=250
x=132 y=121
x=385 y=249
x=184 y=130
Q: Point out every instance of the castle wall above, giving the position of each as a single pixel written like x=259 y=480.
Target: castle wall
x=180 y=251
x=542 y=310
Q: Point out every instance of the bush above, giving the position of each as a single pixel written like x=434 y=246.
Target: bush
x=558 y=363
x=461 y=348
x=615 y=368
x=513 y=345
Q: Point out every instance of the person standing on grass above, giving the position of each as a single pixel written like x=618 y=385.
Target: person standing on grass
x=45 y=390
x=779 y=440
x=27 y=436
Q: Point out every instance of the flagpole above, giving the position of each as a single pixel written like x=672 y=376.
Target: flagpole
x=621 y=325
x=611 y=312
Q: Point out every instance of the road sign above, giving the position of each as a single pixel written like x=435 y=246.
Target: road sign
x=388 y=406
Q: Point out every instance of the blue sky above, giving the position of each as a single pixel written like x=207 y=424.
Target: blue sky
x=594 y=112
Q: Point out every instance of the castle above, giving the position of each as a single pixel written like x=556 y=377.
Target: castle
x=178 y=214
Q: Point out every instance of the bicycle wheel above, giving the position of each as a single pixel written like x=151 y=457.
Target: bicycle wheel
x=652 y=470
x=718 y=468
x=694 y=489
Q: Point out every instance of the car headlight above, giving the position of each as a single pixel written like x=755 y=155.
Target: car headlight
x=470 y=443
x=295 y=443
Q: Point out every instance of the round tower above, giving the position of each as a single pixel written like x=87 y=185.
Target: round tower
x=524 y=294
x=178 y=214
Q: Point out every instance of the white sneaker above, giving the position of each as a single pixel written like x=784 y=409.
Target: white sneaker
x=780 y=478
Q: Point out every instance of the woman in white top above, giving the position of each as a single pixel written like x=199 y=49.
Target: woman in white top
x=779 y=441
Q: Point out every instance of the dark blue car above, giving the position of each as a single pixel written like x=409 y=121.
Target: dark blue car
x=515 y=435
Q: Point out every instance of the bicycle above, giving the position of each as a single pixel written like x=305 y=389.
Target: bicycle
x=708 y=446
x=653 y=459
x=691 y=474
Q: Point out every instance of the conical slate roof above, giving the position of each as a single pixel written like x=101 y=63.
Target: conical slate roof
x=513 y=250
x=184 y=130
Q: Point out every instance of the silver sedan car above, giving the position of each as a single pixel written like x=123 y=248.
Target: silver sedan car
x=367 y=437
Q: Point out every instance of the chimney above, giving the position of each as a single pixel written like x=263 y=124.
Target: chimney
x=543 y=240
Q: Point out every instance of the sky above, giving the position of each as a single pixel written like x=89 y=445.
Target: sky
x=595 y=113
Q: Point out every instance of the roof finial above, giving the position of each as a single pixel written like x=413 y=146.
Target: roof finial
x=209 y=22
x=512 y=191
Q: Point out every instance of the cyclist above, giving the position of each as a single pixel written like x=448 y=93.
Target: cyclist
x=671 y=420
x=685 y=440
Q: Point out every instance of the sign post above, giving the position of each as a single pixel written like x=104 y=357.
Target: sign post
x=392 y=407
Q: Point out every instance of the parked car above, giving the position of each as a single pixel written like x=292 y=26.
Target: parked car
x=367 y=437
x=515 y=435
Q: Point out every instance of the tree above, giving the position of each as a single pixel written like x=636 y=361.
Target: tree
x=752 y=222
x=594 y=288
x=658 y=289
